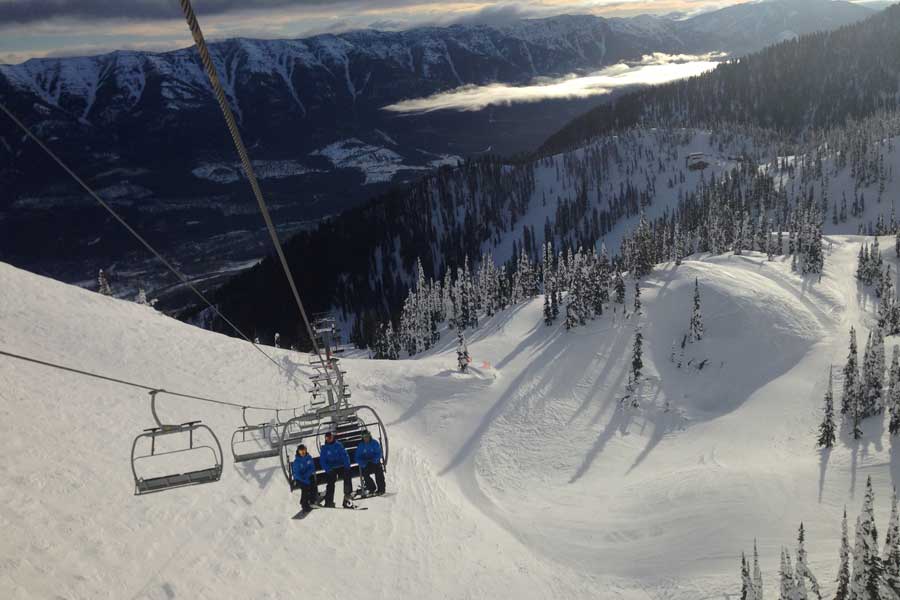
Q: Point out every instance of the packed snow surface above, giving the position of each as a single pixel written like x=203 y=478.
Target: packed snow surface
x=523 y=478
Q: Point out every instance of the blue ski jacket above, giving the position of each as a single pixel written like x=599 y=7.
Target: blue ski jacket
x=334 y=456
x=368 y=452
x=304 y=469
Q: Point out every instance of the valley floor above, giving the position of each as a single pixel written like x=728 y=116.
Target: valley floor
x=524 y=478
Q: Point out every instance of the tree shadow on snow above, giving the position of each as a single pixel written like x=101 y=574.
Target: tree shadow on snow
x=619 y=347
x=664 y=422
x=620 y=421
x=542 y=347
x=824 y=456
x=873 y=432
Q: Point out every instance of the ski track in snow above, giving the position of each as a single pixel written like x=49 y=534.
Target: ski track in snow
x=524 y=478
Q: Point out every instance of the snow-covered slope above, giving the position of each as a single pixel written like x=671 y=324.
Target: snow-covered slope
x=524 y=478
x=72 y=526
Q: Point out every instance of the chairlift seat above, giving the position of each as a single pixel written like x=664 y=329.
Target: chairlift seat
x=143 y=485
x=155 y=484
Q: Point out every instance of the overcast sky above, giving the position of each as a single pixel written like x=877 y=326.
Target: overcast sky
x=36 y=28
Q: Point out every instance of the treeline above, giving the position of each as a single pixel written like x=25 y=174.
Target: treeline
x=362 y=264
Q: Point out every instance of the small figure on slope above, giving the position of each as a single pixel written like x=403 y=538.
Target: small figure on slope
x=462 y=352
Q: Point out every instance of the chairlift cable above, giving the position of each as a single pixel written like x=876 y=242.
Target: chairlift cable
x=137 y=236
x=142 y=386
x=219 y=92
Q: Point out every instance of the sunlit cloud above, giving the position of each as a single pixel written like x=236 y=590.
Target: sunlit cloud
x=653 y=69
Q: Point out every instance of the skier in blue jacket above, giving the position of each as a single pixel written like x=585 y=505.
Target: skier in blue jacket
x=368 y=455
x=304 y=471
x=335 y=461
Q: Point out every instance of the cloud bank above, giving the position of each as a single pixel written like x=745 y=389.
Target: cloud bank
x=652 y=69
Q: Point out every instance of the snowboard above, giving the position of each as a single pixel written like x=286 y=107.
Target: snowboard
x=384 y=495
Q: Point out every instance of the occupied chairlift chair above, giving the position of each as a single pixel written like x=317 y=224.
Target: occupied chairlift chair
x=211 y=449
x=255 y=442
x=347 y=424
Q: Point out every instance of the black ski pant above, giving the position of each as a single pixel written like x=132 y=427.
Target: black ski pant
x=331 y=477
x=378 y=471
x=308 y=493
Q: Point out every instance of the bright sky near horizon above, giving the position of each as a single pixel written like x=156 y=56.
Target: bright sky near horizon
x=39 y=28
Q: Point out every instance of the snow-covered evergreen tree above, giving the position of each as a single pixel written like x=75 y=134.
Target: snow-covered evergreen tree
x=604 y=268
x=786 y=577
x=865 y=579
x=843 y=576
x=637 y=297
x=890 y=557
x=826 y=429
x=746 y=582
x=886 y=301
x=619 y=285
x=103 y=284
x=548 y=310
x=893 y=399
x=757 y=588
x=804 y=580
x=695 y=332
x=394 y=344
x=873 y=375
x=637 y=355
x=851 y=373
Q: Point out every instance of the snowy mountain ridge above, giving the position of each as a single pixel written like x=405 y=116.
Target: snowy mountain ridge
x=554 y=45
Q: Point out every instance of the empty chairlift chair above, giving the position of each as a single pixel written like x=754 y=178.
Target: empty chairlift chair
x=172 y=456
x=255 y=442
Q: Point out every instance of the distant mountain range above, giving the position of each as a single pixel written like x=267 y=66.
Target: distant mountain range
x=144 y=129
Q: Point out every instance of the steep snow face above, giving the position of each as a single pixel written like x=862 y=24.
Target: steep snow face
x=71 y=522
x=527 y=477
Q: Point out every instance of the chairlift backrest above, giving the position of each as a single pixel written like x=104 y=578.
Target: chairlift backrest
x=254 y=442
